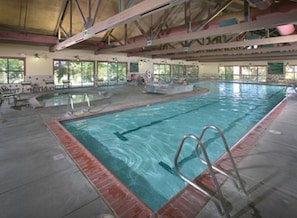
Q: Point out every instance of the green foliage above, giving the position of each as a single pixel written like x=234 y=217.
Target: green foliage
x=11 y=70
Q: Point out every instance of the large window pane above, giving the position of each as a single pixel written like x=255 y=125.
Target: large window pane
x=178 y=73
x=243 y=73
x=87 y=73
x=291 y=73
x=61 y=69
x=112 y=73
x=162 y=73
x=11 y=70
x=262 y=72
x=122 y=72
x=192 y=73
x=102 y=73
x=78 y=73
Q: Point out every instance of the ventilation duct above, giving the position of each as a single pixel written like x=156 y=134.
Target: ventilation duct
x=260 y=4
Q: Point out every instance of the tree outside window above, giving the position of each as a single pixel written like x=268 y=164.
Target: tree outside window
x=78 y=73
x=11 y=70
x=112 y=73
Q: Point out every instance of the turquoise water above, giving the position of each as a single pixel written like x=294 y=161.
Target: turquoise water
x=138 y=145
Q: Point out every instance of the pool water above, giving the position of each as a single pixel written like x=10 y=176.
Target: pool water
x=59 y=98
x=138 y=145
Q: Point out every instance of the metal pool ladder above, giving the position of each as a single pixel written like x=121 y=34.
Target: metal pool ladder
x=86 y=100
x=70 y=105
x=223 y=206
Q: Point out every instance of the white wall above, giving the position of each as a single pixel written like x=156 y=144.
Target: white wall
x=44 y=65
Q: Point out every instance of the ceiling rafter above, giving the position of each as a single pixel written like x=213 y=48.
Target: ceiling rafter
x=139 y=10
x=264 y=41
x=232 y=52
x=251 y=57
x=171 y=31
x=282 y=19
x=214 y=15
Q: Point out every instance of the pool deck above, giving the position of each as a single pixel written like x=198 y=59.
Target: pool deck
x=42 y=177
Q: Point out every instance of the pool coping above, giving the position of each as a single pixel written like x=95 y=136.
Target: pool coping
x=187 y=203
x=36 y=104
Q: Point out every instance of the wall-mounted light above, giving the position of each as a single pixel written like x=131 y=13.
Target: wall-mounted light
x=115 y=59
x=186 y=49
x=77 y=58
x=36 y=56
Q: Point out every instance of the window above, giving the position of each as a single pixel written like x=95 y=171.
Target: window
x=192 y=73
x=112 y=73
x=162 y=73
x=291 y=72
x=178 y=72
x=77 y=73
x=243 y=73
x=229 y=72
x=12 y=70
x=134 y=68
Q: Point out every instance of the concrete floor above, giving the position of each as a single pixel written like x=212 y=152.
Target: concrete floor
x=269 y=172
x=39 y=179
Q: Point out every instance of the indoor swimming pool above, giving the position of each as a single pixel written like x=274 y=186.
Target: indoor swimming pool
x=138 y=145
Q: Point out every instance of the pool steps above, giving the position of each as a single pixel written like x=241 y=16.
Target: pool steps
x=223 y=205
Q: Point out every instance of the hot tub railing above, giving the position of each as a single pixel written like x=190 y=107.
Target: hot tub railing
x=70 y=105
x=86 y=100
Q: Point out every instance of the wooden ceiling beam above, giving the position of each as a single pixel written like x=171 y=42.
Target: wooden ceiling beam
x=138 y=11
x=232 y=52
x=253 y=57
x=268 y=22
x=264 y=41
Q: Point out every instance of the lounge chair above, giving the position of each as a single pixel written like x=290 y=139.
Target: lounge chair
x=7 y=94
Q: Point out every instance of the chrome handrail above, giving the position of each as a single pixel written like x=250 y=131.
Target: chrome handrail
x=220 y=202
x=239 y=180
x=86 y=99
x=70 y=104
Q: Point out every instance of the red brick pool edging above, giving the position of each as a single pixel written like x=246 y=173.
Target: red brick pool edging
x=187 y=203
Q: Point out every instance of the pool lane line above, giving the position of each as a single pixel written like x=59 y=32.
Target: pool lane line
x=123 y=138
x=231 y=125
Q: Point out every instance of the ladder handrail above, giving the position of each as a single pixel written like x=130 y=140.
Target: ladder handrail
x=220 y=202
x=86 y=99
x=239 y=180
x=70 y=104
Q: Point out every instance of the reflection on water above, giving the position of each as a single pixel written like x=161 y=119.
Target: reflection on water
x=57 y=99
x=138 y=145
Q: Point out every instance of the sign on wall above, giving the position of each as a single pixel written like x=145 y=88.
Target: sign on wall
x=276 y=68
x=134 y=67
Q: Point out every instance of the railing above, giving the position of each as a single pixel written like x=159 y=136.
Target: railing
x=70 y=105
x=86 y=100
x=223 y=206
